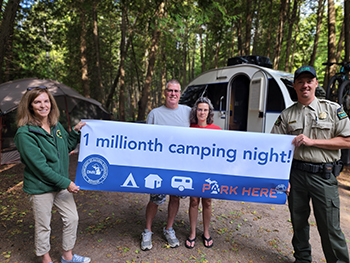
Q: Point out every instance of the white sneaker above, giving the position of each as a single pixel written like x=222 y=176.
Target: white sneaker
x=146 y=240
x=76 y=259
x=170 y=237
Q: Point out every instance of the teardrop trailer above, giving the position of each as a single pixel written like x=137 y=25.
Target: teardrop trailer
x=246 y=97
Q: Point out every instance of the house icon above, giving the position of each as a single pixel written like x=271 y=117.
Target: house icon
x=153 y=181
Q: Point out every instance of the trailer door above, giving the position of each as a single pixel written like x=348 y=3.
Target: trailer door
x=257 y=102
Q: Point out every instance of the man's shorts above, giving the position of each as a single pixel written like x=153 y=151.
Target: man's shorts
x=159 y=199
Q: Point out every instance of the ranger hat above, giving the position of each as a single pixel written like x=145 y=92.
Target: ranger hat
x=304 y=69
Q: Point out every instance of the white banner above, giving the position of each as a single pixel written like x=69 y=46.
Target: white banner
x=131 y=157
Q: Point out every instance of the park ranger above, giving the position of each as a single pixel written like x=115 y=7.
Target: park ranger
x=321 y=128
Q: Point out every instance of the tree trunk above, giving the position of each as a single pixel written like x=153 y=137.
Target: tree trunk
x=268 y=42
x=217 y=51
x=256 y=30
x=9 y=57
x=100 y=93
x=347 y=29
x=239 y=36
x=320 y=10
x=164 y=71
x=233 y=40
x=152 y=59
x=121 y=65
x=201 y=48
x=130 y=110
x=136 y=70
x=340 y=44
x=290 y=32
x=296 y=32
x=279 y=35
x=116 y=80
x=5 y=30
x=331 y=40
x=83 y=58
x=248 y=27
x=184 y=59
x=193 y=62
x=112 y=91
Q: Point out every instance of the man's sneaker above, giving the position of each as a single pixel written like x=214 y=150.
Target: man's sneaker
x=146 y=240
x=76 y=259
x=171 y=238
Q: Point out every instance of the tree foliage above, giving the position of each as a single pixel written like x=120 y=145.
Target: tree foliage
x=122 y=52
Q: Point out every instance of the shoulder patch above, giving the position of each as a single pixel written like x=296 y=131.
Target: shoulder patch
x=341 y=113
x=278 y=121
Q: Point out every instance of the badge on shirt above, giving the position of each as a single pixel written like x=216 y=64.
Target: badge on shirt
x=341 y=113
x=58 y=134
x=278 y=121
x=322 y=115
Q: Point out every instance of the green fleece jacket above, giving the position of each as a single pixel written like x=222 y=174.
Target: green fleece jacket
x=46 y=157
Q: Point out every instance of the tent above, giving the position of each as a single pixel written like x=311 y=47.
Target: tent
x=72 y=105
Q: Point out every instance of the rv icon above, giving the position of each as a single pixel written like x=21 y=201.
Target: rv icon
x=181 y=183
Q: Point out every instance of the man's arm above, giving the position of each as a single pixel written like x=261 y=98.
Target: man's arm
x=335 y=143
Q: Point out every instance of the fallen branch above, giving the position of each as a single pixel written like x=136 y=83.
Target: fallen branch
x=15 y=188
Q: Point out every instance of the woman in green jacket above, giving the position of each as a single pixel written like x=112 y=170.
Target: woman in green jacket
x=44 y=147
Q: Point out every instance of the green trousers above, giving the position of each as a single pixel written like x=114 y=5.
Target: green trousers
x=324 y=196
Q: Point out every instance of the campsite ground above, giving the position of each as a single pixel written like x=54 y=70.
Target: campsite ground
x=111 y=223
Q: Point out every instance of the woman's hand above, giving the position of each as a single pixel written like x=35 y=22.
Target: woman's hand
x=73 y=188
x=80 y=125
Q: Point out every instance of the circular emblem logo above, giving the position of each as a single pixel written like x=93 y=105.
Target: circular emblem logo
x=58 y=134
x=94 y=169
x=281 y=188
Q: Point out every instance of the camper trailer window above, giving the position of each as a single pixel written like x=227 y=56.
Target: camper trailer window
x=213 y=91
x=191 y=94
x=275 y=101
x=290 y=88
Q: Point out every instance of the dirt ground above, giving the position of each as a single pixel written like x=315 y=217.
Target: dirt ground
x=111 y=223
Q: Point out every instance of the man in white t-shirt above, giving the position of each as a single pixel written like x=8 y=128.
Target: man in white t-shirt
x=171 y=114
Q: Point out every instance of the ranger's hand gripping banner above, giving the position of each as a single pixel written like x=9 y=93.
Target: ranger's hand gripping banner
x=142 y=158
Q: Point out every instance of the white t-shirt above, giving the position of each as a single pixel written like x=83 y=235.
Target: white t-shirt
x=172 y=117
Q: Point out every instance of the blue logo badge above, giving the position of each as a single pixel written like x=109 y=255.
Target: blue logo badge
x=94 y=169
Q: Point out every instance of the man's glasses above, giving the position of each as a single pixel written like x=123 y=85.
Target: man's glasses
x=37 y=87
x=173 y=90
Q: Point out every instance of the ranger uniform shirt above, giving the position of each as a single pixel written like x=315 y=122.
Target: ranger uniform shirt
x=322 y=119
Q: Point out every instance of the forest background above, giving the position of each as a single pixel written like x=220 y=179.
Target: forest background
x=122 y=52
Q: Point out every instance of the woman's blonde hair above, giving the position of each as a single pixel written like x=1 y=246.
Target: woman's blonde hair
x=25 y=113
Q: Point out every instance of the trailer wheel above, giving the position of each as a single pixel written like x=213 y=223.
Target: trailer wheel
x=344 y=96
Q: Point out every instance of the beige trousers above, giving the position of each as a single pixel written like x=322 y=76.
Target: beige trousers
x=42 y=207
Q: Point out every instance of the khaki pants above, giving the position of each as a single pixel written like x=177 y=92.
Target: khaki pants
x=42 y=207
